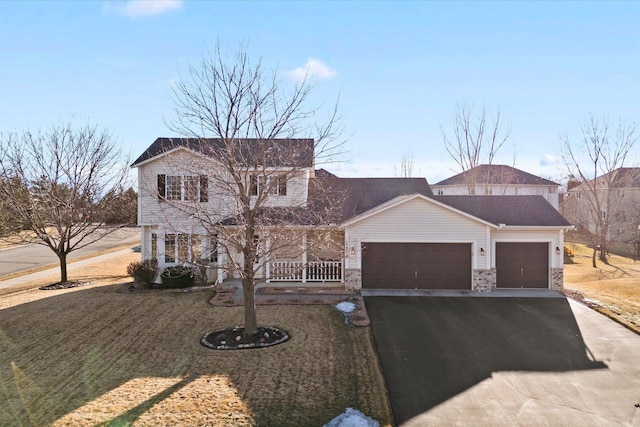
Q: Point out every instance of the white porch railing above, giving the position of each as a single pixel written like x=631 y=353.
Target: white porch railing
x=296 y=271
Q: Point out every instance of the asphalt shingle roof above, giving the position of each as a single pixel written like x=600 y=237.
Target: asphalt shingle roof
x=508 y=210
x=274 y=152
x=496 y=174
x=358 y=195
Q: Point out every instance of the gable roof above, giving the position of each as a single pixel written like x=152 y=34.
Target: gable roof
x=508 y=210
x=284 y=152
x=334 y=200
x=358 y=195
x=495 y=174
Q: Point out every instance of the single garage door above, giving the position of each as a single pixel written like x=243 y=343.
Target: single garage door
x=522 y=265
x=416 y=265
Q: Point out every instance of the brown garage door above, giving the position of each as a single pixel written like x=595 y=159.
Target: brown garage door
x=522 y=265
x=416 y=265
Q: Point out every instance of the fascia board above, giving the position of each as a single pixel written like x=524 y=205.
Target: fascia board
x=174 y=150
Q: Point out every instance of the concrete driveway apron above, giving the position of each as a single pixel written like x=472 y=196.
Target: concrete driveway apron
x=505 y=362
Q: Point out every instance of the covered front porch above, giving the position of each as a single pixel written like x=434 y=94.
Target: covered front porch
x=312 y=256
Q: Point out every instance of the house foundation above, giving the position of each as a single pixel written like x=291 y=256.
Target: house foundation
x=484 y=280
x=557 y=279
x=353 y=279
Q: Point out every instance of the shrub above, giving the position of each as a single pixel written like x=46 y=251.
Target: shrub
x=144 y=272
x=178 y=276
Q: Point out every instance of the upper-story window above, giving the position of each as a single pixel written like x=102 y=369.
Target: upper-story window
x=183 y=188
x=275 y=184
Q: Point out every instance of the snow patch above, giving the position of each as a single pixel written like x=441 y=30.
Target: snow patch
x=346 y=306
x=352 y=417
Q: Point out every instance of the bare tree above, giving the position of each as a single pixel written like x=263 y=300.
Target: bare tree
x=62 y=182
x=475 y=140
x=405 y=170
x=594 y=161
x=234 y=110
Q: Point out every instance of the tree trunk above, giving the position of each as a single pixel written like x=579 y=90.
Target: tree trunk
x=63 y=266
x=250 y=320
x=593 y=257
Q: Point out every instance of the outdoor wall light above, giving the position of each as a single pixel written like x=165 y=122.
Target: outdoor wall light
x=557 y=250
x=481 y=251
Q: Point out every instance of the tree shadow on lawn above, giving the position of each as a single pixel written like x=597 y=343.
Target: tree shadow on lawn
x=432 y=349
x=69 y=350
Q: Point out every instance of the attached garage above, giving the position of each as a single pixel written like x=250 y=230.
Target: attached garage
x=522 y=265
x=416 y=266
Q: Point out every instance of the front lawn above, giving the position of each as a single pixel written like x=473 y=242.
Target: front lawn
x=612 y=289
x=89 y=355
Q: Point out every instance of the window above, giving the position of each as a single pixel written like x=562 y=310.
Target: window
x=190 y=188
x=182 y=248
x=213 y=248
x=183 y=188
x=279 y=185
x=170 y=248
x=604 y=214
x=154 y=246
x=440 y=192
x=174 y=187
x=275 y=184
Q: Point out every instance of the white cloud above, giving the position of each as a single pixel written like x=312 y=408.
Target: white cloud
x=312 y=69
x=548 y=160
x=134 y=8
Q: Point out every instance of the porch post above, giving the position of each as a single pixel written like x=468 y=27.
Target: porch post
x=268 y=266
x=304 y=257
x=145 y=248
x=221 y=262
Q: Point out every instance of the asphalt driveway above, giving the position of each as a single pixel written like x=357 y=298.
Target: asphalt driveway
x=505 y=362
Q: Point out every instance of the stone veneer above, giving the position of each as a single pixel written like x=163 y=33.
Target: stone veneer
x=557 y=279
x=353 y=279
x=484 y=280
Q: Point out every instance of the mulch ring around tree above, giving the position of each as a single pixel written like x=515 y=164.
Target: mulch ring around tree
x=64 y=285
x=234 y=338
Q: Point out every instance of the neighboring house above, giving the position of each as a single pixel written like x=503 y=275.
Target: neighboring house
x=617 y=204
x=392 y=233
x=499 y=180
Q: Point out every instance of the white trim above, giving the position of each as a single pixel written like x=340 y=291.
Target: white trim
x=174 y=150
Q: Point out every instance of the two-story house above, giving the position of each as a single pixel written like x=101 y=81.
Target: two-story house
x=611 y=200
x=386 y=233
x=499 y=180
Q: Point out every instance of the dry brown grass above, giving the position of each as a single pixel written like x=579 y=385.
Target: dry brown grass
x=613 y=287
x=89 y=355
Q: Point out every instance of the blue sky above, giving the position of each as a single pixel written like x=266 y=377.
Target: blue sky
x=399 y=68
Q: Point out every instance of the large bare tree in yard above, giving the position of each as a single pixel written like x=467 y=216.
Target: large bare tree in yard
x=264 y=139
x=58 y=185
x=593 y=160
x=475 y=139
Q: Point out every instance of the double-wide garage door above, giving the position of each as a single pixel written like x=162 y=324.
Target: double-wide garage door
x=416 y=265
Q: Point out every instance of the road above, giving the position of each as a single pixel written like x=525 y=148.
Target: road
x=27 y=257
